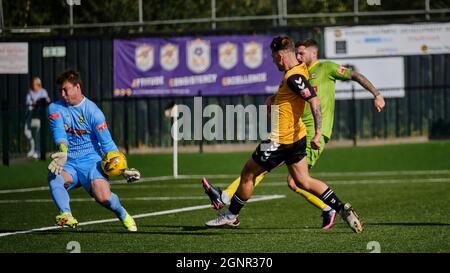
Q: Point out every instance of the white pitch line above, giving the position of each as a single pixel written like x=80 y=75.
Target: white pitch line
x=24 y=190
x=146 y=198
x=157 y=213
x=283 y=183
x=391 y=181
x=380 y=173
x=323 y=174
x=375 y=181
x=231 y=176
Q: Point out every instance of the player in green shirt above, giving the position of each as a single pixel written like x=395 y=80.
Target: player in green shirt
x=323 y=76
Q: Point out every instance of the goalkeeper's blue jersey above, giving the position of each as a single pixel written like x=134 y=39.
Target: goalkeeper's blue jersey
x=82 y=127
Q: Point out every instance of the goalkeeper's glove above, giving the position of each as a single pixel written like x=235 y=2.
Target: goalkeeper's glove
x=131 y=175
x=59 y=159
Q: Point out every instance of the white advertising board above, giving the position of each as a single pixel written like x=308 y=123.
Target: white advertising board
x=387 y=40
x=13 y=58
x=386 y=74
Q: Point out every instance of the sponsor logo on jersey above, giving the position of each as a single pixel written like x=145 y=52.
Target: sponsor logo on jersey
x=306 y=93
x=198 y=55
x=73 y=131
x=228 y=55
x=144 y=57
x=54 y=116
x=253 y=54
x=102 y=126
x=342 y=69
x=169 y=56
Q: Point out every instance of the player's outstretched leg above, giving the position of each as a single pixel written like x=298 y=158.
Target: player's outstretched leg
x=219 y=198
x=214 y=194
x=231 y=216
x=328 y=214
x=299 y=172
x=61 y=198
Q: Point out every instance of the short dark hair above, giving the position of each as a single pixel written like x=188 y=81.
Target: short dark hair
x=282 y=43
x=71 y=76
x=308 y=43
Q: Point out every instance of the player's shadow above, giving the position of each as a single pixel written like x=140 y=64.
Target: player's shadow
x=143 y=229
x=413 y=224
x=147 y=232
x=183 y=228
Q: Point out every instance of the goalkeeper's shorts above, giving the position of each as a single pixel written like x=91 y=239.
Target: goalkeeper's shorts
x=84 y=170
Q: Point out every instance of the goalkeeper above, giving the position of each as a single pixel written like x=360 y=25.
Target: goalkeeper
x=323 y=76
x=80 y=132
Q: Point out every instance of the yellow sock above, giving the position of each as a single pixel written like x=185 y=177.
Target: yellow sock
x=232 y=188
x=311 y=198
x=259 y=178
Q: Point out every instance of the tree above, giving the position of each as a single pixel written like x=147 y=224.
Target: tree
x=27 y=13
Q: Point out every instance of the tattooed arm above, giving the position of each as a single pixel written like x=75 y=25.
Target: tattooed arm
x=301 y=86
x=364 y=82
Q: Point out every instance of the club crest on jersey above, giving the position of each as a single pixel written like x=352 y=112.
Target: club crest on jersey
x=144 y=57
x=198 y=55
x=80 y=119
x=228 y=55
x=169 y=56
x=253 y=54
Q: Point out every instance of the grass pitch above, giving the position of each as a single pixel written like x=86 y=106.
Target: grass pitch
x=402 y=193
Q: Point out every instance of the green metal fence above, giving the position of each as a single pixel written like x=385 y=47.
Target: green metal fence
x=139 y=122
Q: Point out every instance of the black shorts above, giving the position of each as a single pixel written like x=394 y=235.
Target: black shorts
x=270 y=154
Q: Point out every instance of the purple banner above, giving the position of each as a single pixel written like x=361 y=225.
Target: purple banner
x=188 y=66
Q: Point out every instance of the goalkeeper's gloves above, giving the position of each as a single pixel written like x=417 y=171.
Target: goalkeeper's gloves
x=59 y=159
x=131 y=175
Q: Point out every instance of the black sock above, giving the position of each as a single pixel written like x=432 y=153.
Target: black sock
x=330 y=198
x=236 y=204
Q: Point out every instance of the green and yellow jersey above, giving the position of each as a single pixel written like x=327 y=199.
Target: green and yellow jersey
x=323 y=76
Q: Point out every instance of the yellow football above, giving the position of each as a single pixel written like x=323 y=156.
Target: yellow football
x=114 y=163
